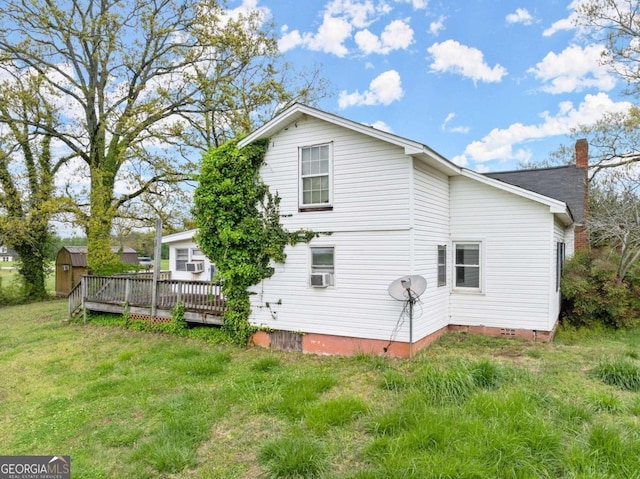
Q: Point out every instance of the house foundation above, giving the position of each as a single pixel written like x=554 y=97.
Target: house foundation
x=326 y=344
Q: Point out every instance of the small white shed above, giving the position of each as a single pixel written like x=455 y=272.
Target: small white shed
x=186 y=260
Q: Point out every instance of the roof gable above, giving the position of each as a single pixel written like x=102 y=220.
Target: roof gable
x=298 y=110
x=411 y=148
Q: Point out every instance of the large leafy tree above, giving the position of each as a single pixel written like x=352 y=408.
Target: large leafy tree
x=142 y=85
x=27 y=171
x=615 y=218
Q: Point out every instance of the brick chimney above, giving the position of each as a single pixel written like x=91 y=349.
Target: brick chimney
x=582 y=161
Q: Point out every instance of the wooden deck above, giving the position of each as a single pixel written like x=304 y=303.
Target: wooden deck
x=203 y=301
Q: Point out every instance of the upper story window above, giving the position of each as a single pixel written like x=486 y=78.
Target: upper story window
x=315 y=176
x=467 y=269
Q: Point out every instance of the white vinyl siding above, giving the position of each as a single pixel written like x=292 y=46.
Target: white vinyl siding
x=561 y=235
x=358 y=306
x=369 y=179
x=517 y=250
x=370 y=232
x=430 y=229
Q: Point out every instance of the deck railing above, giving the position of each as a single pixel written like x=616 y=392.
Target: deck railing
x=134 y=291
x=75 y=299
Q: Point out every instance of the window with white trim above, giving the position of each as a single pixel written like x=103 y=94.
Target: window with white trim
x=315 y=176
x=182 y=258
x=560 y=251
x=442 y=265
x=467 y=268
x=322 y=259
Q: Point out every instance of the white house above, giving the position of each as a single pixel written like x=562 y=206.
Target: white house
x=491 y=252
x=7 y=254
x=186 y=261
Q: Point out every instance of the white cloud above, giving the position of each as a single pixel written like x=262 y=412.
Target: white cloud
x=460 y=160
x=560 y=25
x=436 y=27
x=453 y=129
x=568 y=23
x=574 y=69
x=383 y=90
x=340 y=19
x=289 y=39
x=417 y=4
x=521 y=15
x=499 y=143
x=451 y=56
x=359 y=13
x=248 y=7
x=382 y=126
x=398 y=35
x=330 y=37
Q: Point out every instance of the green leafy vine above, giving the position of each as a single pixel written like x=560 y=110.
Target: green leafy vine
x=238 y=219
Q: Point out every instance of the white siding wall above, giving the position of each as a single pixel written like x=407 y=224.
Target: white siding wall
x=559 y=236
x=357 y=305
x=370 y=179
x=516 y=236
x=370 y=232
x=431 y=228
x=185 y=275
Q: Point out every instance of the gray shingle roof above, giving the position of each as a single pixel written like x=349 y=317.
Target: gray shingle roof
x=564 y=183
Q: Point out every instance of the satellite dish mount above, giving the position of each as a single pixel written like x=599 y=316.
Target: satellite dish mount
x=408 y=289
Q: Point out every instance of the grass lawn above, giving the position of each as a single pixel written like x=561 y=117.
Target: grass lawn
x=125 y=403
x=8 y=274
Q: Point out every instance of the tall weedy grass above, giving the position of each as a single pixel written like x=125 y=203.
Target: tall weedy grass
x=619 y=372
x=294 y=456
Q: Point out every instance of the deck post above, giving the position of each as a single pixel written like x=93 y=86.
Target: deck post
x=156 y=267
x=127 y=290
x=83 y=289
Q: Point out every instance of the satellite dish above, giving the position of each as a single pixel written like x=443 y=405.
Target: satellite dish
x=407 y=287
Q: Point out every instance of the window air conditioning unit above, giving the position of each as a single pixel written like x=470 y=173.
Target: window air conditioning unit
x=320 y=280
x=195 y=266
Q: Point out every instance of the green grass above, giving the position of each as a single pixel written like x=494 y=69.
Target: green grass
x=129 y=403
x=9 y=276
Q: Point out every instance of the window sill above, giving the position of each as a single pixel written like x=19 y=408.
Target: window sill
x=469 y=291
x=305 y=209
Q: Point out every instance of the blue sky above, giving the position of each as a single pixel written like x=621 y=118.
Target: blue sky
x=486 y=83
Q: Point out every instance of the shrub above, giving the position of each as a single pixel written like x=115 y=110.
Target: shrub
x=592 y=294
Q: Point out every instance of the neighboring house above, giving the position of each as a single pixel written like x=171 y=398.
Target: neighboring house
x=186 y=261
x=71 y=264
x=7 y=254
x=491 y=252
